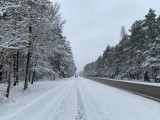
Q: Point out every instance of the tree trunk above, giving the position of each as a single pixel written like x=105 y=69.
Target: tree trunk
x=16 y=67
x=29 y=76
x=0 y=72
x=10 y=75
x=33 y=77
x=28 y=66
x=27 y=71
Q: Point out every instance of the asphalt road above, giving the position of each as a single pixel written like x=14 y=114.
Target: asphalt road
x=151 y=92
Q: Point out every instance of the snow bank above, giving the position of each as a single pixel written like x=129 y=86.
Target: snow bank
x=136 y=82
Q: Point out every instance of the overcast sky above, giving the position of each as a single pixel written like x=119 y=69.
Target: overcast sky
x=93 y=24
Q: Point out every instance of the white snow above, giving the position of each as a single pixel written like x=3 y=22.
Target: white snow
x=76 y=99
x=135 y=82
x=2 y=11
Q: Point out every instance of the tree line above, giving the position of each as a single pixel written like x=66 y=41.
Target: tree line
x=137 y=56
x=32 y=44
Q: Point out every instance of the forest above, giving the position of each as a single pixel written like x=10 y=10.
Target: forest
x=137 y=56
x=32 y=44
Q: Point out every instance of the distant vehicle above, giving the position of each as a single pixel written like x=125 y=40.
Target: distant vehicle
x=157 y=80
x=76 y=75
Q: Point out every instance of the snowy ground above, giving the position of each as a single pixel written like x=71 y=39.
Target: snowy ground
x=77 y=99
x=136 y=81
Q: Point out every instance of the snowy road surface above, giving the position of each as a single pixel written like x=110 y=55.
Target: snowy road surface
x=149 y=90
x=77 y=99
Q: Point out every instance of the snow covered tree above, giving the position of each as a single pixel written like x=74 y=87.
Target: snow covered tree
x=135 y=55
x=31 y=38
x=151 y=25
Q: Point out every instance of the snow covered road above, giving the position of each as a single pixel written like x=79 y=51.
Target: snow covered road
x=78 y=99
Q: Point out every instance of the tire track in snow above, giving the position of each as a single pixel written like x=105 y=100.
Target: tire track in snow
x=62 y=108
x=80 y=107
x=92 y=106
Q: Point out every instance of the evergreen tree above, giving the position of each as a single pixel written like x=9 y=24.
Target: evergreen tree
x=135 y=55
x=31 y=38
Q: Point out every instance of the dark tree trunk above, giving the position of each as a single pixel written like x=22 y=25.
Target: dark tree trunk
x=27 y=75
x=33 y=77
x=10 y=75
x=27 y=71
x=29 y=78
x=0 y=72
x=17 y=67
x=16 y=72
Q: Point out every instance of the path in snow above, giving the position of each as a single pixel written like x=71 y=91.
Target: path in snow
x=80 y=107
x=79 y=99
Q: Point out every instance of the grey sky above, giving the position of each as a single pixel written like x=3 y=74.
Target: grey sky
x=93 y=24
